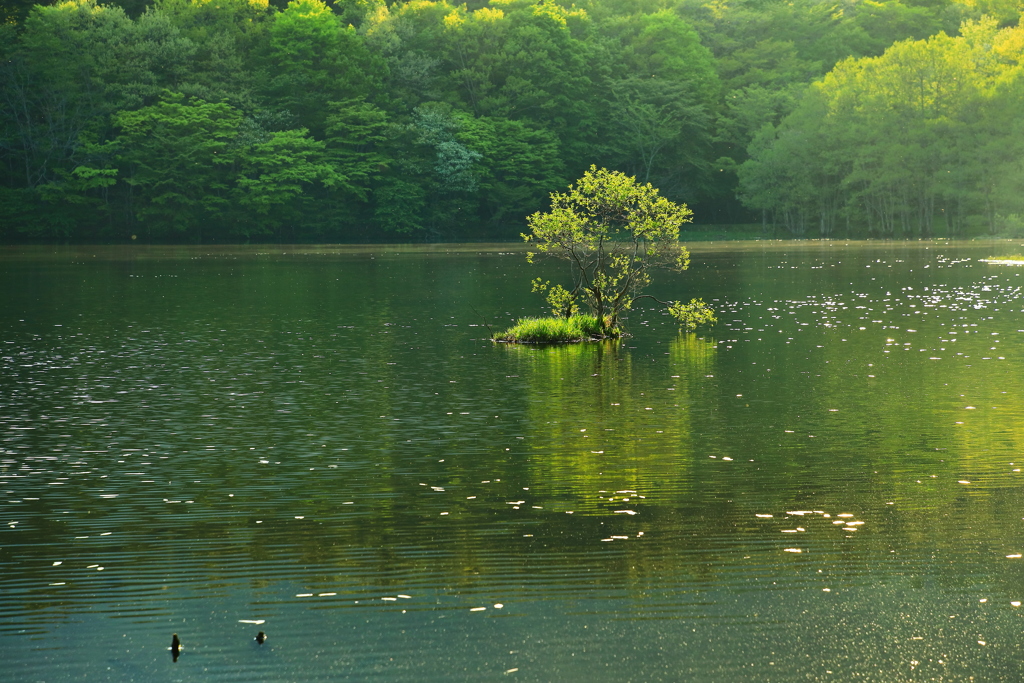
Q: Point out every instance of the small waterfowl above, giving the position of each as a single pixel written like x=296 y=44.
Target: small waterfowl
x=260 y=637
x=175 y=646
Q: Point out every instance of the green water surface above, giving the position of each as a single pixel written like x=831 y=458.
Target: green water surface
x=323 y=444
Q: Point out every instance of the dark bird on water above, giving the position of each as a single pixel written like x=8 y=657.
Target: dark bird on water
x=175 y=647
x=260 y=637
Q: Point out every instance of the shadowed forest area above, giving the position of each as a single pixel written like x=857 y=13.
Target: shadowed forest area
x=217 y=121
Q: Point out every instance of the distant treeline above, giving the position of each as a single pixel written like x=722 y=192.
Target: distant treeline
x=235 y=120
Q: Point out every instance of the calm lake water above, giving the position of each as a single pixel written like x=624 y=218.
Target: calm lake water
x=322 y=444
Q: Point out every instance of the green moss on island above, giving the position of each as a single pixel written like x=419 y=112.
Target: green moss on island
x=575 y=328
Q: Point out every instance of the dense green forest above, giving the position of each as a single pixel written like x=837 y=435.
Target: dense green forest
x=235 y=120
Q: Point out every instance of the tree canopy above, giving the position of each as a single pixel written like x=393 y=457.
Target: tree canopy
x=612 y=231
x=189 y=120
x=924 y=139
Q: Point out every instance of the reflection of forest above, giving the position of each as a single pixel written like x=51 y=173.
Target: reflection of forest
x=590 y=429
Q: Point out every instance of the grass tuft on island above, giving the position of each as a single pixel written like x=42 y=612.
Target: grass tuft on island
x=553 y=330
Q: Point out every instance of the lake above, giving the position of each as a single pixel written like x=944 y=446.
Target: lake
x=321 y=443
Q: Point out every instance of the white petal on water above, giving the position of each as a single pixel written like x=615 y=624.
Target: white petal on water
x=963 y=481
x=405 y=597
x=1015 y=603
x=389 y=599
x=625 y=512
x=792 y=550
x=1015 y=556
x=252 y=621
x=60 y=562
x=326 y=595
x=498 y=605
x=764 y=516
x=303 y=595
x=477 y=609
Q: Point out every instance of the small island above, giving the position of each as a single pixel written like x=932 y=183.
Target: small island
x=612 y=231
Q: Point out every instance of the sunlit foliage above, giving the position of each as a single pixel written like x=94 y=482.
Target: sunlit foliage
x=574 y=328
x=612 y=231
x=452 y=121
x=923 y=140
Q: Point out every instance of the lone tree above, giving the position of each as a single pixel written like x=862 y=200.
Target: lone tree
x=612 y=231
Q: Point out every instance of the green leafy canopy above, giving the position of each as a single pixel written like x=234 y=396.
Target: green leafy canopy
x=613 y=231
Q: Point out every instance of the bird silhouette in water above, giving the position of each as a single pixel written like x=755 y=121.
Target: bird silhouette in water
x=175 y=647
x=260 y=637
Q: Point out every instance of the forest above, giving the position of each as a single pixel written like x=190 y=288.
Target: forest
x=219 y=121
